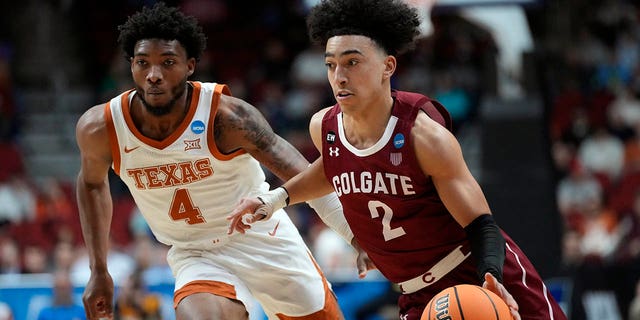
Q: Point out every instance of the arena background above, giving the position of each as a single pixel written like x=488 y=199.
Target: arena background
x=544 y=94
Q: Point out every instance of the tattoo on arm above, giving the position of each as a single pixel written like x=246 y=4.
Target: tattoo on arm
x=248 y=129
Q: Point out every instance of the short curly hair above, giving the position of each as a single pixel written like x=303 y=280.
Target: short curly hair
x=162 y=22
x=392 y=24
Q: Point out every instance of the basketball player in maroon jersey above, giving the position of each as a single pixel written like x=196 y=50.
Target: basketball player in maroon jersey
x=405 y=188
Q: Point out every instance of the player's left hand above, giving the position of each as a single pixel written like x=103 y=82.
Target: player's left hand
x=363 y=263
x=492 y=284
x=246 y=212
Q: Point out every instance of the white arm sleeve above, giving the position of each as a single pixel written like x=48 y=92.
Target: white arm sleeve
x=330 y=211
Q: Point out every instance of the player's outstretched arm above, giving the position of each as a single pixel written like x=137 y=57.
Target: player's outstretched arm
x=95 y=209
x=239 y=125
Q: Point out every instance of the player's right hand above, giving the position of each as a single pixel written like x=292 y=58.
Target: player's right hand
x=248 y=211
x=98 y=297
x=491 y=283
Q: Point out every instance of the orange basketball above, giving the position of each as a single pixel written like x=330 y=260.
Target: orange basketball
x=468 y=302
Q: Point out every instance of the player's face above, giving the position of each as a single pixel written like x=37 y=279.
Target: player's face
x=160 y=69
x=358 y=69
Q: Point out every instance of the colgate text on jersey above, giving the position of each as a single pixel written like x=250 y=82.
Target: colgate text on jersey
x=372 y=182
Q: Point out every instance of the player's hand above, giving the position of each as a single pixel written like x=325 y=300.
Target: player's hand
x=248 y=211
x=492 y=284
x=363 y=262
x=98 y=297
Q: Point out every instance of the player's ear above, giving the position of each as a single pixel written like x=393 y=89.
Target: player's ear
x=191 y=66
x=390 y=64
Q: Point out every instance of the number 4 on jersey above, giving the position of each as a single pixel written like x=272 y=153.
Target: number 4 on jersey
x=182 y=208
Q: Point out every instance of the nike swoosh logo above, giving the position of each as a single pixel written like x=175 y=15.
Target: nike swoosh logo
x=127 y=150
x=273 y=233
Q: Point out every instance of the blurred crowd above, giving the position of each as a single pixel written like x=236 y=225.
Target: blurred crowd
x=594 y=130
x=591 y=86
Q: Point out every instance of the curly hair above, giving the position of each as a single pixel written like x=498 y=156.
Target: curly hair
x=162 y=22
x=392 y=24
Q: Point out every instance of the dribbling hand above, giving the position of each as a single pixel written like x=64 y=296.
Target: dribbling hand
x=491 y=283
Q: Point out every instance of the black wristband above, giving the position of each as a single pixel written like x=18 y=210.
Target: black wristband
x=487 y=246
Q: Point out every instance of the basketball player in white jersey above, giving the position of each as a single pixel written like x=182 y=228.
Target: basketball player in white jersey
x=188 y=151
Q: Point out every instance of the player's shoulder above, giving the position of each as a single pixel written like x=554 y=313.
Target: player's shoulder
x=319 y=115
x=93 y=116
x=428 y=133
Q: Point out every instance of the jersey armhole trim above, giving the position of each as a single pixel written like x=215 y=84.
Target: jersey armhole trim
x=113 y=138
x=211 y=141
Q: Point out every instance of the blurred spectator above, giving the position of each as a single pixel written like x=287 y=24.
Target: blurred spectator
x=563 y=155
x=571 y=253
x=575 y=192
x=624 y=113
x=602 y=152
x=54 y=210
x=64 y=256
x=18 y=200
x=5 y=311
x=601 y=232
x=135 y=302
x=34 y=259
x=63 y=306
x=10 y=260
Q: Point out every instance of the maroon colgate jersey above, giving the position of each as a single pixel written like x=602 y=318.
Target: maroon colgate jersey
x=392 y=208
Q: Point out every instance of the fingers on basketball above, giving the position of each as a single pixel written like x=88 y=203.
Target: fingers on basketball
x=468 y=302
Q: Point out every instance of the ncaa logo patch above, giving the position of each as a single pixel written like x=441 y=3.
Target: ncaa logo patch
x=398 y=141
x=197 y=127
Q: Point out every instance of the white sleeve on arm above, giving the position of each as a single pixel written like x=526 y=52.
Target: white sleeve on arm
x=330 y=211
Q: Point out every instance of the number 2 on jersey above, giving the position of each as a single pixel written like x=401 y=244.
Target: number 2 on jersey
x=387 y=232
x=182 y=208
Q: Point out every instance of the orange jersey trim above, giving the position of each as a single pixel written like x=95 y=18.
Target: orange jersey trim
x=331 y=309
x=126 y=110
x=211 y=140
x=204 y=286
x=113 y=138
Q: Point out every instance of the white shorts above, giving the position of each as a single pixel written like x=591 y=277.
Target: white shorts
x=270 y=263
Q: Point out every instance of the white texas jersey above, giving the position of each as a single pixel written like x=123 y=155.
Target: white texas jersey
x=183 y=185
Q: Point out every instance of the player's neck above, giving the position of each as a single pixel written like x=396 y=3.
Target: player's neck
x=161 y=127
x=365 y=127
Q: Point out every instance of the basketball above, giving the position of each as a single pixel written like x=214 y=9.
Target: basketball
x=468 y=302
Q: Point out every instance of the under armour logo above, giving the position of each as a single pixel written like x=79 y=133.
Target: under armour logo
x=404 y=316
x=333 y=152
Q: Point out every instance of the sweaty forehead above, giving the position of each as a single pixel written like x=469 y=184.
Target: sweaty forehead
x=158 y=46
